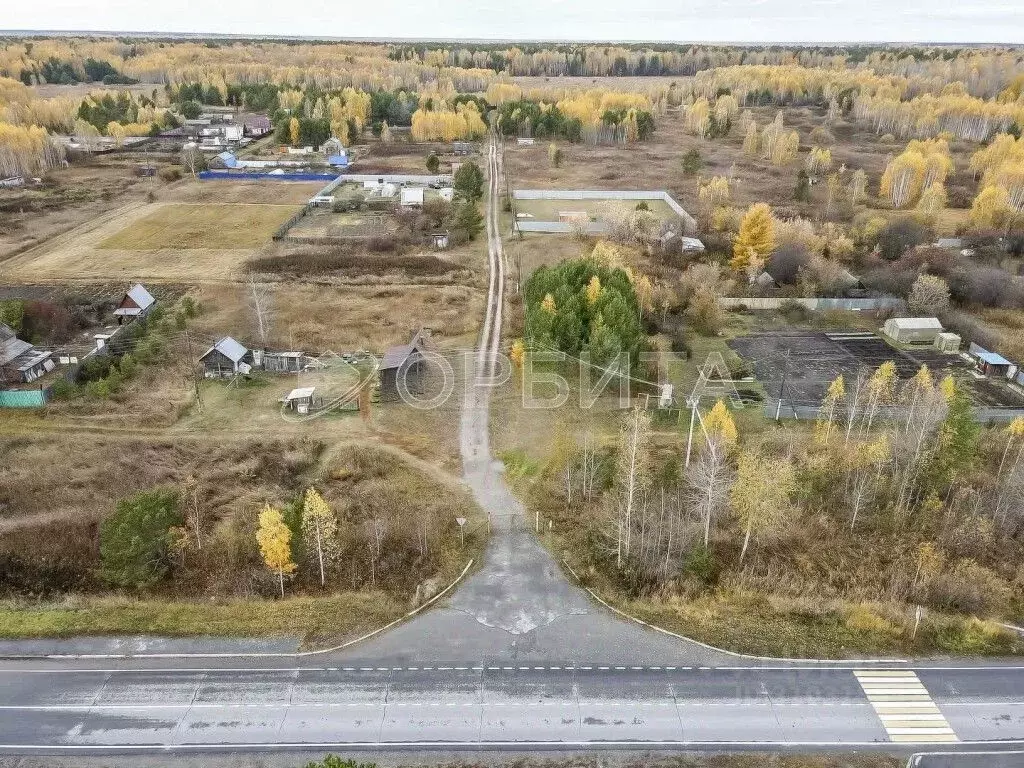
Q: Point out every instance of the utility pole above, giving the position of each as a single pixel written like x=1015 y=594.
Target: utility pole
x=782 y=387
x=692 y=402
x=192 y=369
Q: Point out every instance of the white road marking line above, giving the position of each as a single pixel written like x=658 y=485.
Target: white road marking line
x=904 y=706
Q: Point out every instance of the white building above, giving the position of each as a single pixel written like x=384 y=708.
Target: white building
x=912 y=330
x=412 y=197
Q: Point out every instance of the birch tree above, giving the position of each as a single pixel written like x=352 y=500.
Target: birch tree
x=760 y=495
x=274 y=539
x=831 y=407
x=632 y=475
x=261 y=303
x=320 y=531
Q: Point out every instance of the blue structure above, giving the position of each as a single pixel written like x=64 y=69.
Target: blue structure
x=338 y=161
x=229 y=160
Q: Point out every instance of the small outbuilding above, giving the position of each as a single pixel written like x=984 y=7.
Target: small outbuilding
x=912 y=330
x=279 y=362
x=993 y=364
x=947 y=342
x=692 y=244
x=404 y=362
x=226 y=358
x=412 y=197
x=300 y=399
x=136 y=303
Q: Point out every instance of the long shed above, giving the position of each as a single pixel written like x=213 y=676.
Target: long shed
x=912 y=330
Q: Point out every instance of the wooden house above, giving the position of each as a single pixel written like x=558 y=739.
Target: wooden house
x=226 y=358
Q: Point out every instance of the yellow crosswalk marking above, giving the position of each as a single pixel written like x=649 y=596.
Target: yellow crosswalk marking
x=904 y=706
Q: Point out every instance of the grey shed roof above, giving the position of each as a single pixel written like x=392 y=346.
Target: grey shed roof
x=143 y=298
x=230 y=348
x=11 y=346
x=394 y=357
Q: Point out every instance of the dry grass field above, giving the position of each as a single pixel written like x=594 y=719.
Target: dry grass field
x=152 y=241
x=341 y=318
x=201 y=225
x=550 y=210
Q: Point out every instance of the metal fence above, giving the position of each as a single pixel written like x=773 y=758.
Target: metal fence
x=761 y=303
x=600 y=194
x=243 y=176
x=23 y=398
x=982 y=414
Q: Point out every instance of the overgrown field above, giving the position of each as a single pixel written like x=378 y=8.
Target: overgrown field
x=397 y=539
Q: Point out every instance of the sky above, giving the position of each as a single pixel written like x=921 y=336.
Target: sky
x=753 y=21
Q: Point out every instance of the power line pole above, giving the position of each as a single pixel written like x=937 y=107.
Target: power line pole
x=782 y=388
x=692 y=402
x=192 y=369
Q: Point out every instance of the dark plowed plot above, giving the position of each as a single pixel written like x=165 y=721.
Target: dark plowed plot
x=815 y=359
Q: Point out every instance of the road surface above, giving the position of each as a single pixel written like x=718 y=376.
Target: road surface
x=517 y=656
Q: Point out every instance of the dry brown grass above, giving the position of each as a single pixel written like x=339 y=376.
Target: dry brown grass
x=340 y=318
x=222 y=191
x=201 y=225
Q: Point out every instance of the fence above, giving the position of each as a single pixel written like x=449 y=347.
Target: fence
x=281 y=232
x=243 y=176
x=565 y=227
x=23 y=398
x=881 y=302
x=982 y=414
x=598 y=194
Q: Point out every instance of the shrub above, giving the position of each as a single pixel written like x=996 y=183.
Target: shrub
x=382 y=244
x=134 y=541
x=332 y=761
x=170 y=173
x=794 y=312
x=900 y=235
x=63 y=389
x=700 y=565
x=692 y=162
x=970 y=588
x=972 y=637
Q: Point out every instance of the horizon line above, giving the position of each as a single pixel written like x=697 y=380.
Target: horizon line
x=375 y=39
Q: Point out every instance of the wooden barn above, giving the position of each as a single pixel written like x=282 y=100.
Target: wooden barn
x=226 y=358
x=404 y=361
x=134 y=304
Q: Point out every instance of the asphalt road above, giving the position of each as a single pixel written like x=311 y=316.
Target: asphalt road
x=45 y=706
x=517 y=657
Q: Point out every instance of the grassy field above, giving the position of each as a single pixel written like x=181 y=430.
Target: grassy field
x=177 y=225
x=549 y=210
